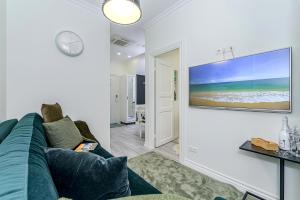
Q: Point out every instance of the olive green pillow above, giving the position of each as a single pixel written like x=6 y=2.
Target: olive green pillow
x=51 y=113
x=63 y=134
x=85 y=131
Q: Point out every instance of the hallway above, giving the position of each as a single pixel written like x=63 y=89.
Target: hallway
x=125 y=141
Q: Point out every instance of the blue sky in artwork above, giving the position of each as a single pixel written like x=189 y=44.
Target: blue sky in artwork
x=275 y=64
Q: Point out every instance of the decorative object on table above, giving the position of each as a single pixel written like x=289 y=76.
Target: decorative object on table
x=284 y=135
x=122 y=12
x=267 y=145
x=260 y=82
x=250 y=196
x=295 y=143
x=69 y=43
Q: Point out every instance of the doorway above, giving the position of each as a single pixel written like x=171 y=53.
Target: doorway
x=167 y=104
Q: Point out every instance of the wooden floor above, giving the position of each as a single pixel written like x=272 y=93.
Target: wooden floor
x=125 y=141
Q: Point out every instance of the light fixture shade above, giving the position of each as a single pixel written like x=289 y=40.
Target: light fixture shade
x=122 y=11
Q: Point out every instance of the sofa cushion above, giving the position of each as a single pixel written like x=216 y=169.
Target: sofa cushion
x=24 y=172
x=138 y=185
x=86 y=175
x=51 y=112
x=6 y=127
x=84 y=130
x=63 y=134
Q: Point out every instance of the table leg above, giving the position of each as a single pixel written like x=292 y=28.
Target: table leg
x=281 y=179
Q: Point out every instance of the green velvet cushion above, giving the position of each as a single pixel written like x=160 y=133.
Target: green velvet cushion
x=138 y=185
x=6 y=127
x=51 y=113
x=88 y=176
x=24 y=172
x=63 y=134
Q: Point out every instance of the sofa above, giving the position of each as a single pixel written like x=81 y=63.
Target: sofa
x=24 y=172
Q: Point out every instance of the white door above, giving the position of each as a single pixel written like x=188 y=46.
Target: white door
x=164 y=103
x=131 y=98
x=115 y=99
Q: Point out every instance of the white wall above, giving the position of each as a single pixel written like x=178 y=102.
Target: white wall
x=131 y=66
x=118 y=68
x=172 y=58
x=37 y=72
x=249 y=26
x=2 y=60
x=136 y=65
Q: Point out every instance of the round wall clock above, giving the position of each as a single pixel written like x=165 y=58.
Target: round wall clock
x=69 y=43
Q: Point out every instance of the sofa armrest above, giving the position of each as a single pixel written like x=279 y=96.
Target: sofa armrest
x=84 y=130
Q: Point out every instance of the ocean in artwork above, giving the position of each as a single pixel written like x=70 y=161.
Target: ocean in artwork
x=251 y=83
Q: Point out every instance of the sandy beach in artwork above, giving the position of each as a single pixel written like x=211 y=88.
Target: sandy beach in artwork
x=274 y=100
x=264 y=105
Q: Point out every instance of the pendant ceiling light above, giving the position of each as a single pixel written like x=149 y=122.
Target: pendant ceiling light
x=122 y=11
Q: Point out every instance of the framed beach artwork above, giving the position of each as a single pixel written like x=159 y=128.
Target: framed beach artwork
x=260 y=82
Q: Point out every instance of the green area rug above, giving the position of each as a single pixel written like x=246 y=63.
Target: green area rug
x=155 y=197
x=170 y=177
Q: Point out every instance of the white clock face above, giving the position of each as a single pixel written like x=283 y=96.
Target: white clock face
x=69 y=43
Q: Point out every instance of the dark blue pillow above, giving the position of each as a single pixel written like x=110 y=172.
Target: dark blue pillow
x=88 y=176
x=6 y=127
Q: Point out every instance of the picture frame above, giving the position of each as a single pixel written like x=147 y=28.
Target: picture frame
x=259 y=82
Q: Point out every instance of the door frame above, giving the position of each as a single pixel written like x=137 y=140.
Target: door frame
x=182 y=96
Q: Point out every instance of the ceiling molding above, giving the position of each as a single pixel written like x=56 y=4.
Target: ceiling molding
x=172 y=9
x=85 y=5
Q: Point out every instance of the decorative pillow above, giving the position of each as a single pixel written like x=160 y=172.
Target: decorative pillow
x=63 y=134
x=52 y=113
x=84 y=130
x=88 y=176
x=6 y=127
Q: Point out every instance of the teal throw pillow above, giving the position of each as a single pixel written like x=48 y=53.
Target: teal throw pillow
x=86 y=175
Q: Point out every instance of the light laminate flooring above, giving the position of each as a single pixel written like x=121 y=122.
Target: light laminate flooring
x=126 y=141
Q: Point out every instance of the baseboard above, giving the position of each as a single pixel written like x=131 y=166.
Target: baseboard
x=226 y=179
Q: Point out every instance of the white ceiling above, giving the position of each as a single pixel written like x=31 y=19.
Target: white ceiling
x=135 y=33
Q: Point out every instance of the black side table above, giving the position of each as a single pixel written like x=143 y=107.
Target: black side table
x=281 y=155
